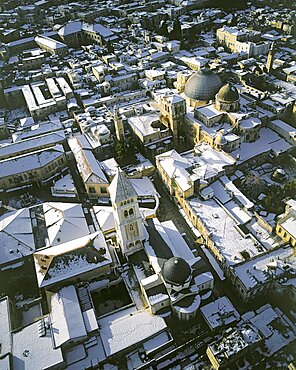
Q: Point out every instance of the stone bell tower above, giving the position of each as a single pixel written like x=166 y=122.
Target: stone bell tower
x=128 y=220
x=119 y=128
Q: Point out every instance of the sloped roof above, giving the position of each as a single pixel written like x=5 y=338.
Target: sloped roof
x=66 y=316
x=121 y=188
x=70 y=28
x=16 y=235
x=73 y=258
x=64 y=222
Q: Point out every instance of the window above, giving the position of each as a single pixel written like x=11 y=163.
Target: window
x=125 y=213
x=131 y=212
x=92 y=190
x=103 y=190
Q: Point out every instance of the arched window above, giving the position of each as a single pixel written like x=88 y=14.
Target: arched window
x=125 y=213
x=131 y=212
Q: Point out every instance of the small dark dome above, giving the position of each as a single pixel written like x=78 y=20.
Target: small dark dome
x=203 y=85
x=176 y=271
x=228 y=93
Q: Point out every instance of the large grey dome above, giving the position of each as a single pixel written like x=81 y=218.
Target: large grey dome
x=176 y=271
x=203 y=85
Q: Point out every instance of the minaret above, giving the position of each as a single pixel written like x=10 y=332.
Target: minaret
x=119 y=129
x=128 y=220
x=270 y=58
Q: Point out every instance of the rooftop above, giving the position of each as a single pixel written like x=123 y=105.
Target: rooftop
x=232 y=245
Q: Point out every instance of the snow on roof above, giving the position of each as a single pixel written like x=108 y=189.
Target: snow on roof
x=224 y=232
x=256 y=271
x=5 y=327
x=64 y=222
x=49 y=42
x=219 y=313
x=229 y=185
x=30 y=144
x=109 y=166
x=41 y=129
x=188 y=305
x=187 y=167
x=70 y=27
x=268 y=322
x=16 y=236
x=143 y=124
x=121 y=188
x=64 y=187
x=176 y=242
x=157 y=341
x=284 y=126
x=31 y=161
x=171 y=160
x=234 y=342
x=32 y=352
x=5 y=362
x=122 y=332
x=144 y=186
x=90 y=320
x=105 y=217
x=233 y=30
x=220 y=192
x=239 y=214
x=98 y=28
x=70 y=259
x=268 y=140
x=209 y=111
x=88 y=167
x=66 y=317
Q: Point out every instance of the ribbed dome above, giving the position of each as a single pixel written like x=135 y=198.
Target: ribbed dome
x=228 y=93
x=203 y=85
x=176 y=271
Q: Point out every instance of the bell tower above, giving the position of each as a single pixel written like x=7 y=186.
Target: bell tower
x=173 y=108
x=270 y=58
x=119 y=129
x=128 y=220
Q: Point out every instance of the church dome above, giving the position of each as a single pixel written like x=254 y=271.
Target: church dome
x=228 y=93
x=203 y=85
x=176 y=271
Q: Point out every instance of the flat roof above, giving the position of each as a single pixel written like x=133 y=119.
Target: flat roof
x=224 y=232
x=5 y=327
x=254 y=272
x=34 y=352
x=123 y=330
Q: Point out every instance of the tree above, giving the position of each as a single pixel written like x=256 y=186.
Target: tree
x=110 y=47
x=119 y=150
x=163 y=28
x=290 y=188
x=176 y=33
x=274 y=199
